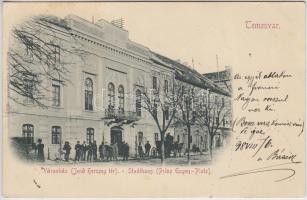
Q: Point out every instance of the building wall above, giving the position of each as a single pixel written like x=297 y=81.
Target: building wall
x=108 y=56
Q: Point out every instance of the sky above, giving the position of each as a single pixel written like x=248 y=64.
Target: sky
x=199 y=31
x=176 y=32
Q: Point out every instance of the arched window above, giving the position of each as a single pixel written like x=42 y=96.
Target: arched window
x=121 y=99
x=138 y=103
x=56 y=135
x=28 y=133
x=88 y=94
x=111 y=95
x=89 y=135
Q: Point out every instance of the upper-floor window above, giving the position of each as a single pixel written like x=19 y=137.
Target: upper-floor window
x=215 y=100
x=56 y=135
x=28 y=44
x=28 y=133
x=155 y=109
x=166 y=113
x=138 y=103
x=89 y=135
x=56 y=95
x=111 y=95
x=55 y=52
x=154 y=82
x=121 y=99
x=166 y=86
x=28 y=87
x=88 y=94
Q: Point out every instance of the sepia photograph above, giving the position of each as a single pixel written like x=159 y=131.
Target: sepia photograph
x=154 y=99
x=81 y=91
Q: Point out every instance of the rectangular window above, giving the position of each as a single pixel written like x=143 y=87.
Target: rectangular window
x=28 y=85
x=28 y=43
x=166 y=86
x=166 y=113
x=138 y=103
x=140 y=138
x=154 y=82
x=28 y=133
x=56 y=95
x=215 y=100
x=56 y=135
x=156 y=136
x=155 y=109
x=55 y=52
x=89 y=135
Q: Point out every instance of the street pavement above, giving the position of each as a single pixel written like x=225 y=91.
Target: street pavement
x=196 y=159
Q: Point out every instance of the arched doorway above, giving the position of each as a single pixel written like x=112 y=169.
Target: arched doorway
x=117 y=137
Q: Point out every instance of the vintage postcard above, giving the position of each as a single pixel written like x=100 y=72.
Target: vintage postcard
x=157 y=99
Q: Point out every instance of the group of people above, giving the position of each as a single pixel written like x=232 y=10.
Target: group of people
x=143 y=154
x=88 y=152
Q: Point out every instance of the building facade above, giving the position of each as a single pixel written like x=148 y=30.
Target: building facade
x=100 y=98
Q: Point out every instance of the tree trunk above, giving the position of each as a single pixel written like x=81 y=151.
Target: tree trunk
x=189 y=144
x=162 y=148
x=210 y=145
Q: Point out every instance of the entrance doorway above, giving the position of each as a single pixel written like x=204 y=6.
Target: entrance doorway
x=117 y=137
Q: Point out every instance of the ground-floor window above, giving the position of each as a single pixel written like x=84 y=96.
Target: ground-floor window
x=140 y=138
x=156 y=137
x=89 y=135
x=28 y=133
x=56 y=134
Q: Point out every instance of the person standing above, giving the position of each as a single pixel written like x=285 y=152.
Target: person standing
x=78 y=151
x=89 y=152
x=115 y=151
x=101 y=151
x=140 y=151
x=94 y=149
x=83 y=151
x=66 y=148
x=40 y=150
x=125 y=151
x=147 y=149
x=109 y=152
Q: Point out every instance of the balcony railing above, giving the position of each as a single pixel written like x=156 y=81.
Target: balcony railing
x=120 y=114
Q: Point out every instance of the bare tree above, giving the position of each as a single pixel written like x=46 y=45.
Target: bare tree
x=213 y=111
x=161 y=103
x=186 y=114
x=36 y=51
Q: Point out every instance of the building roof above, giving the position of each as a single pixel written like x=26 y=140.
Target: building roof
x=182 y=72
x=188 y=75
x=224 y=75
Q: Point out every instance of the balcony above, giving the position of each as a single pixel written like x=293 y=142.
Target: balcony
x=120 y=115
